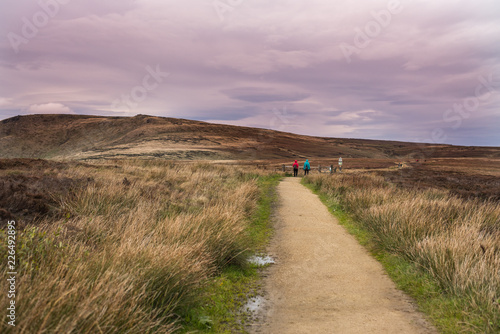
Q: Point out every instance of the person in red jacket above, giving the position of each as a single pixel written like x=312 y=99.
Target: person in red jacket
x=295 y=168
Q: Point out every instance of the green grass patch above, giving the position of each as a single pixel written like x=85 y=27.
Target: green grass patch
x=260 y=229
x=449 y=314
x=222 y=301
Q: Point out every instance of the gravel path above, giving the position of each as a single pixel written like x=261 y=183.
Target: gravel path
x=323 y=280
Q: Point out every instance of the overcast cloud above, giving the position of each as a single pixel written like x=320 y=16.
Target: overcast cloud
x=410 y=70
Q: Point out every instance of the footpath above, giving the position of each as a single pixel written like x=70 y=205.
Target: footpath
x=323 y=280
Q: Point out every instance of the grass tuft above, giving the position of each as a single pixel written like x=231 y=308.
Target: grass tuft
x=442 y=250
x=135 y=248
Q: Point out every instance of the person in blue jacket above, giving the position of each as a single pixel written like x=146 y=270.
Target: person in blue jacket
x=307 y=167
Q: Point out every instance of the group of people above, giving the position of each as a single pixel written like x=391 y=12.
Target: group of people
x=307 y=167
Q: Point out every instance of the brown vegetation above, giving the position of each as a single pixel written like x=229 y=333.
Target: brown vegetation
x=469 y=183
x=129 y=246
x=123 y=245
x=93 y=137
x=456 y=241
x=30 y=189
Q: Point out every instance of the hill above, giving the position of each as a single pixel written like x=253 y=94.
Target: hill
x=95 y=137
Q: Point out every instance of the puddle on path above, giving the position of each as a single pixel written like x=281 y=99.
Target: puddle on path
x=254 y=304
x=261 y=260
x=255 y=307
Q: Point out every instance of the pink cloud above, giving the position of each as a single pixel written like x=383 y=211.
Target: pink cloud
x=263 y=55
x=49 y=108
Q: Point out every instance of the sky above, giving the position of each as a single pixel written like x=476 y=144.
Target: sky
x=407 y=70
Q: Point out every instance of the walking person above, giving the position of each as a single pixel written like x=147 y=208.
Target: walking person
x=295 y=168
x=307 y=167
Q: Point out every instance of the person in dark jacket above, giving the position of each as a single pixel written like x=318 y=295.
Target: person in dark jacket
x=295 y=168
x=307 y=167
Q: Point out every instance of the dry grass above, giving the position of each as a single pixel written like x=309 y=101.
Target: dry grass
x=455 y=240
x=136 y=244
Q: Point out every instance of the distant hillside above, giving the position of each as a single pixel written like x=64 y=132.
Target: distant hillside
x=92 y=137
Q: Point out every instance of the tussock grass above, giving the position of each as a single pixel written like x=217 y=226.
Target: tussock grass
x=135 y=246
x=454 y=241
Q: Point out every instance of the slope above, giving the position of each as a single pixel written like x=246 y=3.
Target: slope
x=96 y=137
